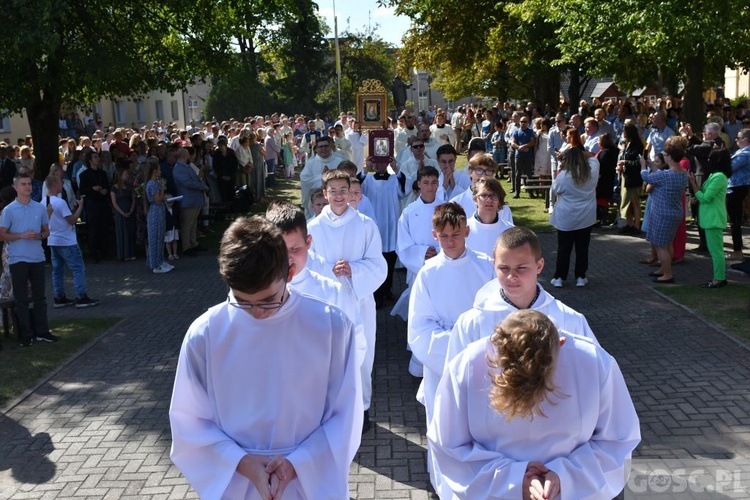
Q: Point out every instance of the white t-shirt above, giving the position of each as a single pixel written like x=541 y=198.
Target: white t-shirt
x=61 y=234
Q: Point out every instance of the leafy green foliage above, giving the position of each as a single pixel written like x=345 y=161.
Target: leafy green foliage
x=364 y=56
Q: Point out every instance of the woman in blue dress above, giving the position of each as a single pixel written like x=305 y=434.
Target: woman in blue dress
x=665 y=206
x=156 y=219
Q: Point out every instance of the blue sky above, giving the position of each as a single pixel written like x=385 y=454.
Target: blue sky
x=360 y=12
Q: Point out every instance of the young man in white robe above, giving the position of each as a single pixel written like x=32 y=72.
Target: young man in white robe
x=481 y=166
x=443 y=289
x=358 y=140
x=290 y=219
x=416 y=243
x=384 y=191
x=518 y=261
x=267 y=396
x=357 y=200
x=349 y=243
x=487 y=223
x=558 y=424
x=452 y=183
x=311 y=176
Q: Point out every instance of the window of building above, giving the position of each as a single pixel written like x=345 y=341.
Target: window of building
x=140 y=111
x=120 y=112
x=159 y=109
x=175 y=110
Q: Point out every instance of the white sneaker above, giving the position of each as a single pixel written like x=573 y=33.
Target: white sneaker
x=556 y=282
x=167 y=265
x=581 y=281
x=162 y=269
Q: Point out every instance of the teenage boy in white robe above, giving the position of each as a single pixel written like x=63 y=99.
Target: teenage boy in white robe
x=267 y=395
x=487 y=224
x=310 y=177
x=518 y=261
x=416 y=243
x=357 y=200
x=412 y=165
x=349 y=243
x=481 y=166
x=452 y=183
x=415 y=240
x=558 y=424
x=290 y=219
x=443 y=289
x=384 y=191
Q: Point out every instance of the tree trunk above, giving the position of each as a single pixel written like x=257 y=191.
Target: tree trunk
x=693 y=109
x=43 y=118
x=574 y=85
x=547 y=88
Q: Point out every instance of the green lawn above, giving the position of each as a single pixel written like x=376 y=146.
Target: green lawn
x=728 y=306
x=23 y=367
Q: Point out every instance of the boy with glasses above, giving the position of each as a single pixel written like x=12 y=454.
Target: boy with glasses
x=237 y=432
x=350 y=245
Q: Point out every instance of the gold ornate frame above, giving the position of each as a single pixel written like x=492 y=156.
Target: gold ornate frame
x=372 y=105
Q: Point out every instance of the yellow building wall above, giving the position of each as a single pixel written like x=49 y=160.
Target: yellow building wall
x=179 y=108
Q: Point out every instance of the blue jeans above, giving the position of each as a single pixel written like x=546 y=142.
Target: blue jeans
x=68 y=256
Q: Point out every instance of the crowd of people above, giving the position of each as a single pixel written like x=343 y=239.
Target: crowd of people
x=312 y=277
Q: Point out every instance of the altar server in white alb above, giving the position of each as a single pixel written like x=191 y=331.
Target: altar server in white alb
x=415 y=243
x=384 y=191
x=481 y=166
x=267 y=401
x=530 y=413
x=518 y=261
x=290 y=219
x=349 y=243
x=487 y=223
x=443 y=289
x=311 y=177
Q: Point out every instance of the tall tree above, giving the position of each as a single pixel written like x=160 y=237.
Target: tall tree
x=299 y=68
x=364 y=56
x=501 y=52
x=65 y=51
x=636 y=40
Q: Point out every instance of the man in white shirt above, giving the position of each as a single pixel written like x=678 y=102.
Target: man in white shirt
x=457 y=124
x=238 y=432
x=591 y=139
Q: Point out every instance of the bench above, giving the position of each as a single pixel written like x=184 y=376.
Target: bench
x=536 y=186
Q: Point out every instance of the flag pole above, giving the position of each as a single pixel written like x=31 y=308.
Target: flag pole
x=338 y=54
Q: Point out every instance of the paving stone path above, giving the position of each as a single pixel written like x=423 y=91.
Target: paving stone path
x=98 y=428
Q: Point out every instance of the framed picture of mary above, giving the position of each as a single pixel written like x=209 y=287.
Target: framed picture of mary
x=372 y=108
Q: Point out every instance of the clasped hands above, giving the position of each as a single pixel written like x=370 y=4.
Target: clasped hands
x=540 y=483
x=270 y=476
x=342 y=268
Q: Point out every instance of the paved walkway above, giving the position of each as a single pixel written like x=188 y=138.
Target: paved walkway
x=99 y=429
